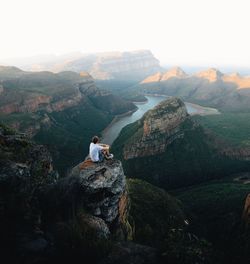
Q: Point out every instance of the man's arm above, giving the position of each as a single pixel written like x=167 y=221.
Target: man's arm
x=104 y=146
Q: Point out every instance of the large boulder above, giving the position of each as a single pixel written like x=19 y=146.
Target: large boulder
x=97 y=190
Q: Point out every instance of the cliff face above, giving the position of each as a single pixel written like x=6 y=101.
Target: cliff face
x=45 y=91
x=167 y=148
x=99 y=189
x=212 y=87
x=160 y=127
x=26 y=171
x=126 y=65
x=62 y=111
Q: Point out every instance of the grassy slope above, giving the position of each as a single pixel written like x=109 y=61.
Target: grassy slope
x=158 y=219
x=153 y=212
x=215 y=210
x=232 y=127
x=69 y=136
x=126 y=89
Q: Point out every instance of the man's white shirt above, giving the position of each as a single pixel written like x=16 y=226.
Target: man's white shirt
x=94 y=151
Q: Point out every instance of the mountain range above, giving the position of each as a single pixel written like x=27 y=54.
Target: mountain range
x=134 y=65
x=228 y=92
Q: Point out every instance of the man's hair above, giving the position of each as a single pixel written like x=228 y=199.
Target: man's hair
x=95 y=139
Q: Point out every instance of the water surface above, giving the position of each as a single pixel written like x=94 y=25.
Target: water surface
x=113 y=130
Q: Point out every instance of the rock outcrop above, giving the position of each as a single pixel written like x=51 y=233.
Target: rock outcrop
x=160 y=128
x=42 y=215
x=167 y=148
x=96 y=194
x=100 y=189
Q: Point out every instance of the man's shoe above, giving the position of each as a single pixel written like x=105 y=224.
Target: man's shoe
x=110 y=156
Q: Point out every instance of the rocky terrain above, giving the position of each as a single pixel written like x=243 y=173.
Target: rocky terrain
x=91 y=214
x=167 y=148
x=160 y=121
x=210 y=88
x=43 y=215
x=110 y=65
x=62 y=111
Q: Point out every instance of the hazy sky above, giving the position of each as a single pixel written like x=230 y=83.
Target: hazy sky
x=194 y=32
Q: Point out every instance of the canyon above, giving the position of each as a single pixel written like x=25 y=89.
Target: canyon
x=167 y=148
x=51 y=107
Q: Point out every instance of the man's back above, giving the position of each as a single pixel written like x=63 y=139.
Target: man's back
x=94 y=150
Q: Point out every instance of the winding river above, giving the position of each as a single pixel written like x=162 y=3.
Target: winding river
x=113 y=130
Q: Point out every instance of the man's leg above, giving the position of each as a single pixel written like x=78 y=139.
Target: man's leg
x=101 y=156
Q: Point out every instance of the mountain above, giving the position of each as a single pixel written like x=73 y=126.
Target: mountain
x=110 y=65
x=167 y=148
x=210 y=87
x=175 y=72
x=62 y=111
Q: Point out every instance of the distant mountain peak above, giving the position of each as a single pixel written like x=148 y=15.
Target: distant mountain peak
x=235 y=74
x=153 y=78
x=9 y=69
x=211 y=74
x=175 y=72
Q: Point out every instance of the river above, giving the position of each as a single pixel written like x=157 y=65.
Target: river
x=113 y=130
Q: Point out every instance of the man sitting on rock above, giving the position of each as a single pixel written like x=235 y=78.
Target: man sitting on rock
x=98 y=152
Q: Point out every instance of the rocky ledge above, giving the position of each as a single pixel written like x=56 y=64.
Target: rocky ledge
x=102 y=186
x=98 y=190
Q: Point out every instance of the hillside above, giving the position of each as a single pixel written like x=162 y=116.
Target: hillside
x=62 y=111
x=210 y=87
x=170 y=150
x=215 y=211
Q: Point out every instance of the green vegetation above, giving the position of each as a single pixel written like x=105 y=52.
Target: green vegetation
x=66 y=131
x=126 y=89
x=69 y=135
x=215 y=209
x=6 y=130
x=188 y=160
x=232 y=127
x=158 y=221
x=153 y=212
x=75 y=240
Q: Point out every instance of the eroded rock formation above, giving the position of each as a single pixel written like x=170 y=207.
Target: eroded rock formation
x=160 y=128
